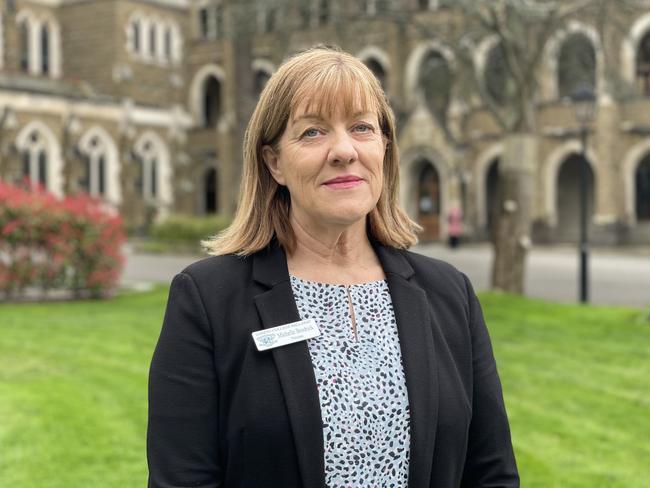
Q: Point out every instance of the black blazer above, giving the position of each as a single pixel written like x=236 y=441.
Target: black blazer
x=222 y=414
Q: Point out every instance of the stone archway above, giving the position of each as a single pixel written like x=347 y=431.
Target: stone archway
x=428 y=197
x=197 y=96
x=379 y=71
x=568 y=198
x=211 y=102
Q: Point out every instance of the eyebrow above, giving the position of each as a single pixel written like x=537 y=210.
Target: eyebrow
x=312 y=116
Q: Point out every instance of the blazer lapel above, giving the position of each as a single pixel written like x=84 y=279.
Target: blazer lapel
x=414 y=325
x=293 y=362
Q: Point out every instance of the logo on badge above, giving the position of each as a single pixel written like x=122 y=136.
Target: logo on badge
x=268 y=340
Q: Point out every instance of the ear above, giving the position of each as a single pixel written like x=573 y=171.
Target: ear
x=271 y=160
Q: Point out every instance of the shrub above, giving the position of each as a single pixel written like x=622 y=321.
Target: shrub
x=186 y=229
x=48 y=243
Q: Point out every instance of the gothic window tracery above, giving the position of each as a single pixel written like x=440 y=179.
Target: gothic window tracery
x=148 y=158
x=576 y=64
x=95 y=157
x=435 y=82
x=34 y=155
x=498 y=82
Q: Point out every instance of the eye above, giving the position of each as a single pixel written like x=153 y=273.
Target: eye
x=363 y=128
x=311 y=132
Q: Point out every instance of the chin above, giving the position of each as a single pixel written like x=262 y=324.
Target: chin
x=348 y=216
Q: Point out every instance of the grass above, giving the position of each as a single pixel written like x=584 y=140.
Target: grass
x=577 y=384
x=73 y=391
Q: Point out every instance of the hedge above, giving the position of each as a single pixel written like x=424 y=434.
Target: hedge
x=187 y=229
x=46 y=243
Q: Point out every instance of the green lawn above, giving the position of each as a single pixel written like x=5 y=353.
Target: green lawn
x=73 y=391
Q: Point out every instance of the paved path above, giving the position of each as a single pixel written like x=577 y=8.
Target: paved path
x=617 y=277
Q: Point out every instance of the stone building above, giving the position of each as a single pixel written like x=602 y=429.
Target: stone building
x=92 y=97
x=144 y=103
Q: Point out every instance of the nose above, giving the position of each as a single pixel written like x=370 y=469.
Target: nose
x=342 y=150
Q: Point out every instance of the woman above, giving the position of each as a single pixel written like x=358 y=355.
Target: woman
x=389 y=381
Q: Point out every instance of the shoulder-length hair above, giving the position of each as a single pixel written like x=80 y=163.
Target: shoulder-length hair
x=322 y=79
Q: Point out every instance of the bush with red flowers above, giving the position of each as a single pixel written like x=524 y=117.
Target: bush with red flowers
x=47 y=243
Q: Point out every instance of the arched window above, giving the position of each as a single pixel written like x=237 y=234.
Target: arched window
x=260 y=79
x=576 y=64
x=211 y=101
x=218 y=20
x=95 y=155
x=643 y=65
x=35 y=159
x=378 y=70
x=147 y=157
x=428 y=204
x=45 y=49
x=435 y=83
x=204 y=22
x=498 y=82
x=210 y=21
x=642 y=178
x=168 y=44
x=23 y=33
x=153 y=39
x=135 y=36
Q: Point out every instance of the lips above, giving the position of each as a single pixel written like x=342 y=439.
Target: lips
x=342 y=182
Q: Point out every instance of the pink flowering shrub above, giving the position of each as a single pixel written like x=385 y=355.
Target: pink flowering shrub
x=50 y=243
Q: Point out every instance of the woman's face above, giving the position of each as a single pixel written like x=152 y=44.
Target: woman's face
x=331 y=165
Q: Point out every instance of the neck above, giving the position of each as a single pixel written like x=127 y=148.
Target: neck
x=334 y=247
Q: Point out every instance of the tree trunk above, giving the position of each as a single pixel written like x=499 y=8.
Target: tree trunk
x=511 y=239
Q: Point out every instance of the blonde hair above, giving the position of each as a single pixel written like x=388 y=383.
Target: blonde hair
x=321 y=78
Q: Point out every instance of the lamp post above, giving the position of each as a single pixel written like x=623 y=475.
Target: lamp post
x=584 y=102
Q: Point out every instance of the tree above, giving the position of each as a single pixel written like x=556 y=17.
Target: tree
x=520 y=30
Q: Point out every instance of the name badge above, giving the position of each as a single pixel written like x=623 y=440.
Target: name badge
x=285 y=334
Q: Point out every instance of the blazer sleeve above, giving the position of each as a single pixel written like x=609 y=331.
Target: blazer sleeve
x=490 y=459
x=182 y=429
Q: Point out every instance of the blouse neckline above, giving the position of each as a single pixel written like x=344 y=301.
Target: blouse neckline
x=338 y=285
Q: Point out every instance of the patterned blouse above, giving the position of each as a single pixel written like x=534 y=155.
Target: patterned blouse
x=361 y=385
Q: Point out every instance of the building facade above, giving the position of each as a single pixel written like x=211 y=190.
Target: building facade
x=144 y=103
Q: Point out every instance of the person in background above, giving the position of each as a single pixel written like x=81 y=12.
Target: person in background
x=454 y=225
x=313 y=349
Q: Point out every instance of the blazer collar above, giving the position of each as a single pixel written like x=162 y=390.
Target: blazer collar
x=270 y=265
x=393 y=261
x=415 y=322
